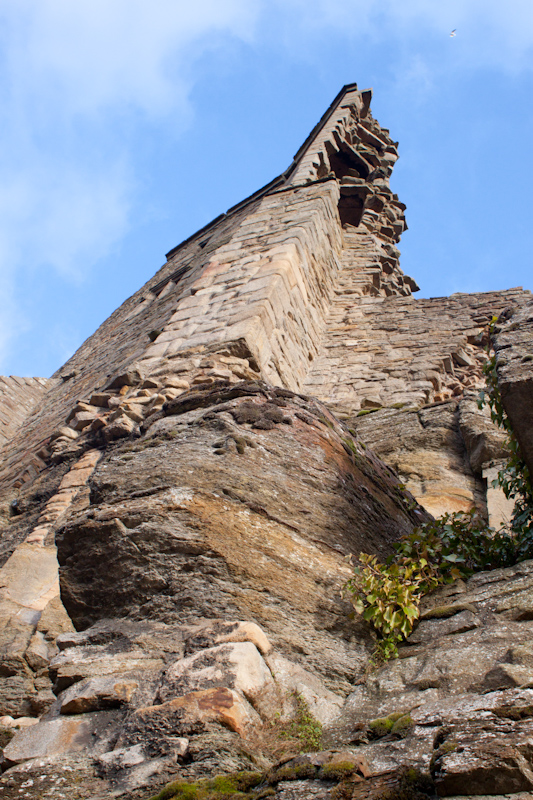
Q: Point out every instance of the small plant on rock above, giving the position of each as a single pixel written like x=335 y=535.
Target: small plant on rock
x=454 y=546
x=388 y=596
x=304 y=727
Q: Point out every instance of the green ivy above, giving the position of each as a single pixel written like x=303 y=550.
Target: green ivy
x=454 y=546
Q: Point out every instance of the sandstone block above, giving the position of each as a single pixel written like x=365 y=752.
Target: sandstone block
x=131 y=378
x=88 y=459
x=177 y=383
x=100 y=399
x=38 y=534
x=76 y=478
x=98 y=694
x=120 y=427
x=89 y=733
x=77 y=663
x=134 y=411
x=238 y=666
x=64 y=432
x=82 y=420
x=222 y=705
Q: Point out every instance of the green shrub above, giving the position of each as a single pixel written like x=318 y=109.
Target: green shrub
x=304 y=727
x=451 y=547
x=388 y=596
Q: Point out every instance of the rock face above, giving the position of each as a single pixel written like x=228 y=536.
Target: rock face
x=464 y=684
x=177 y=505
x=513 y=344
x=240 y=501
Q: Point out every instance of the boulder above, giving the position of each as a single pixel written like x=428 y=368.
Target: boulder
x=237 y=666
x=97 y=694
x=89 y=733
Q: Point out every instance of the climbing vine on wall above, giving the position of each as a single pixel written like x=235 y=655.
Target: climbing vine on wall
x=456 y=545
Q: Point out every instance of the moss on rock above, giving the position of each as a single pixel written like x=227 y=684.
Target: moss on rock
x=238 y=785
x=338 y=771
x=380 y=727
x=403 y=726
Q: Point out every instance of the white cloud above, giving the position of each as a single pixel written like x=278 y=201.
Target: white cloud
x=71 y=72
x=89 y=54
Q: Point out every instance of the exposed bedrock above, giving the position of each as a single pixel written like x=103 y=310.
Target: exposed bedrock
x=242 y=502
x=513 y=344
x=440 y=451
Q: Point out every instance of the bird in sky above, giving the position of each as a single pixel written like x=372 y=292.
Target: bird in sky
x=453 y=33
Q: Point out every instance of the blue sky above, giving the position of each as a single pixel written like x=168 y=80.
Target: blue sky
x=127 y=125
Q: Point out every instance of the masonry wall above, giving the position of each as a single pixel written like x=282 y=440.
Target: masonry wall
x=406 y=373
x=256 y=285
x=18 y=397
x=385 y=351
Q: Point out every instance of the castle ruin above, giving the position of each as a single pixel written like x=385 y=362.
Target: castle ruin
x=179 y=499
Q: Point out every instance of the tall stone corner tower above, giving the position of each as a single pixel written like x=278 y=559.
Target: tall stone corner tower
x=259 y=284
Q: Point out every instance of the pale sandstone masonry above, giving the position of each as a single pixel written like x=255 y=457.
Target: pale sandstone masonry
x=18 y=398
x=406 y=374
x=256 y=284
x=381 y=352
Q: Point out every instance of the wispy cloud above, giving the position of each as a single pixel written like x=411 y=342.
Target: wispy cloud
x=77 y=77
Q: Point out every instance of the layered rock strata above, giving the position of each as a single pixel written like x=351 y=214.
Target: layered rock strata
x=513 y=344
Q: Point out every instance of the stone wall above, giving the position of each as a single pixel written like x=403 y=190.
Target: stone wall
x=256 y=284
x=381 y=352
x=18 y=397
x=406 y=374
